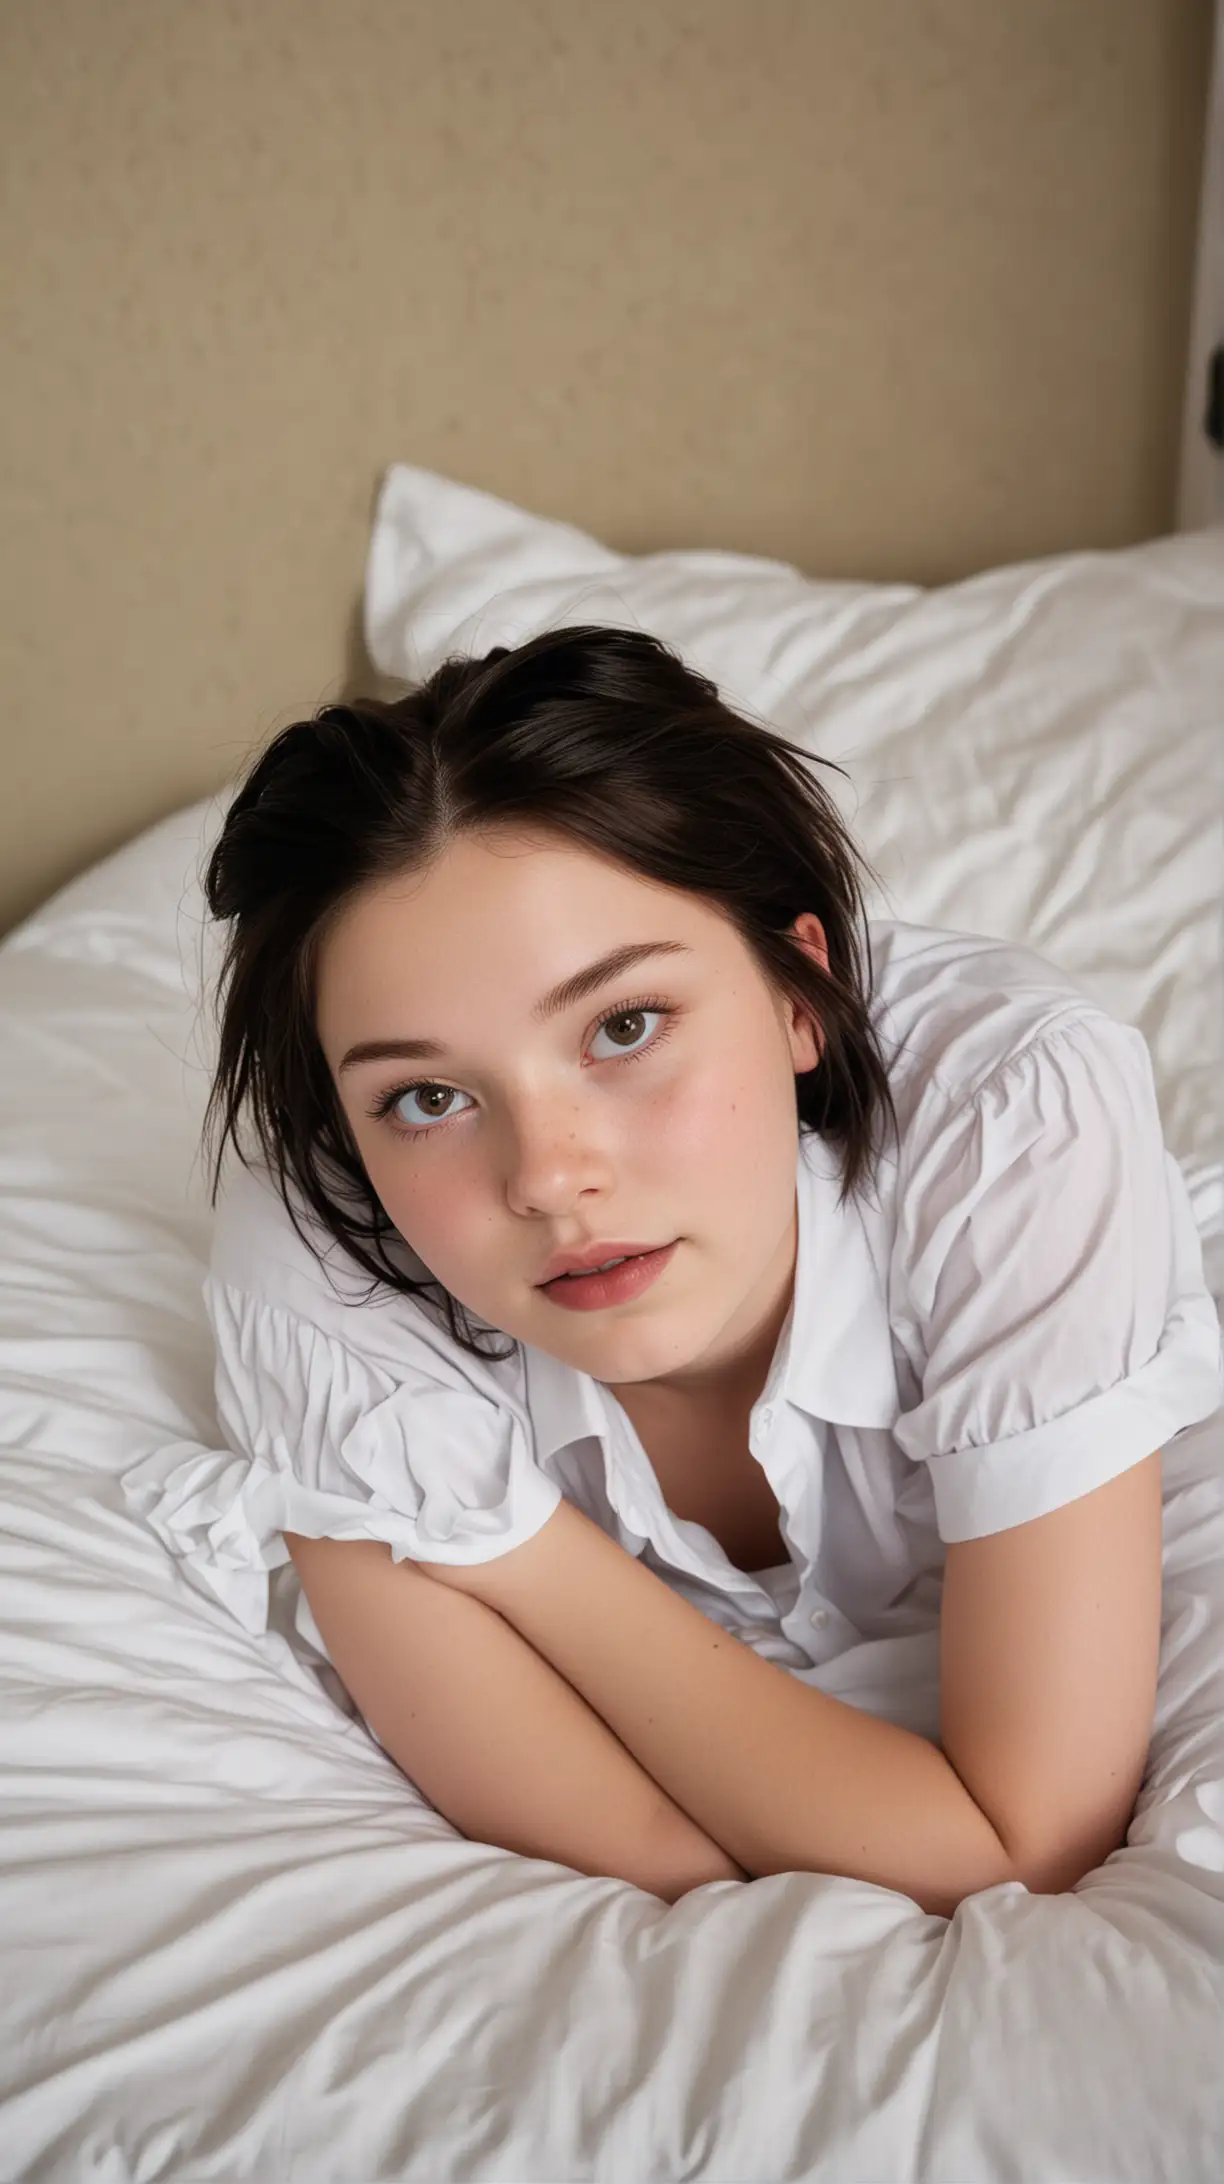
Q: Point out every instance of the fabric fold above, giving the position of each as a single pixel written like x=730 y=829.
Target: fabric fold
x=1058 y=1284
x=322 y=1442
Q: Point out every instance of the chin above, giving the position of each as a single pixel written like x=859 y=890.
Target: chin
x=641 y=1353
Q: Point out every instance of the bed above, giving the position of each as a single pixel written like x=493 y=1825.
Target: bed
x=237 y=1941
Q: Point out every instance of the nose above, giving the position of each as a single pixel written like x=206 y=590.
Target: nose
x=554 y=1158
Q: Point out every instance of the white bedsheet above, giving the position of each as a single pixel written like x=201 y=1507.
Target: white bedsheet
x=234 y=1942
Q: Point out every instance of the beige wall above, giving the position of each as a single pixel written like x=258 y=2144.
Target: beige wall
x=889 y=288
x=1200 y=484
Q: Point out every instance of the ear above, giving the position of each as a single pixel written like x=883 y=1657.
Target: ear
x=806 y=1040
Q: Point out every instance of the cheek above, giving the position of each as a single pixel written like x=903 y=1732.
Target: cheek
x=707 y=1115
x=738 y=1122
x=431 y=1211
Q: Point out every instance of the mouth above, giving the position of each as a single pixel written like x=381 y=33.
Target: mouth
x=595 y=1291
x=611 y=1255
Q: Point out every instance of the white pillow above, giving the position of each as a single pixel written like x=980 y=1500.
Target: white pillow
x=1033 y=754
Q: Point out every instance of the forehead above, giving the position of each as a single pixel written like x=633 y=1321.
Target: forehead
x=504 y=914
x=529 y=878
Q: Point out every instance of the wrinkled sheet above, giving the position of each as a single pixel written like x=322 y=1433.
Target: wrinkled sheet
x=236 y=1942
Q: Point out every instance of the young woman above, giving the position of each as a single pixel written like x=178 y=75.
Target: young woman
x=554 y=962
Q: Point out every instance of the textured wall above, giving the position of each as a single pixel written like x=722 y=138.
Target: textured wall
x=897 y=288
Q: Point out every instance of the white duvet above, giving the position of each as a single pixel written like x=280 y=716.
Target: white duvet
x=234 y=1941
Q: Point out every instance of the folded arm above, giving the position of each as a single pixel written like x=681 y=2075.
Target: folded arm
x=1050 y=1640
x=491 y=1733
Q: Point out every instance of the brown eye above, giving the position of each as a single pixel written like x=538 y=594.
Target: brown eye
x=627 y=1016
x=625 y=1028
x=435 y=1092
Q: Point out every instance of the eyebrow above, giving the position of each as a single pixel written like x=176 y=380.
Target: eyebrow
x=565 y=996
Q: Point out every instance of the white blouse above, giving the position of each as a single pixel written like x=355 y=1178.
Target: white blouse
x=1010 y=1314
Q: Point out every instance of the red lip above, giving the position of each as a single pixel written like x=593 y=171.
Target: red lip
x=622 y=1285
x=581 y=1262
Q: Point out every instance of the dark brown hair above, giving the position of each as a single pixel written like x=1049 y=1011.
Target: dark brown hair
x=603 y=736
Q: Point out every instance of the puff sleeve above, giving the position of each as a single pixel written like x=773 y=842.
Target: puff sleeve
x=1049 y=1270
x=324 y=1442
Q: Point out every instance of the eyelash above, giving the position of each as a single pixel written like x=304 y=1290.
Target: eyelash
x=381 y=1110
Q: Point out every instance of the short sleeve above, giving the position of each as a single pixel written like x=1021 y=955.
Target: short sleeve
x=322 y=1441
x=1048 y=1266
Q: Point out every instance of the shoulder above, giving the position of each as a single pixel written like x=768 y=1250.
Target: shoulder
x=954 y=1010
x=271 y=1281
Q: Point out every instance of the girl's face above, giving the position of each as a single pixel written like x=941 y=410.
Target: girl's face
x=655 y=1107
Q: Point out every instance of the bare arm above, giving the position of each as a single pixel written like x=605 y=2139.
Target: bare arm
x=491 y=1733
